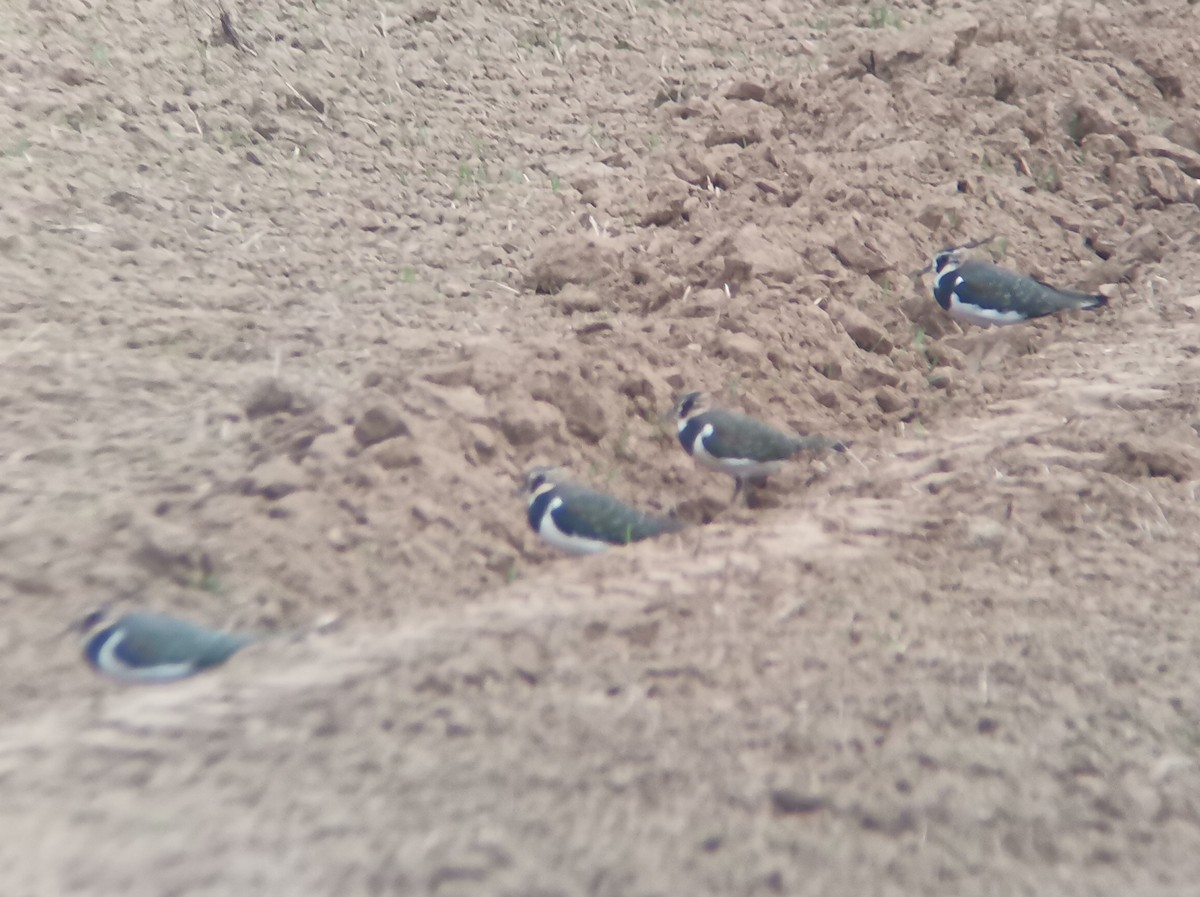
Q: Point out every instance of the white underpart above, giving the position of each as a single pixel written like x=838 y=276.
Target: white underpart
x=739 y=468
x=108 y=661
x=982 y=317
x=973 y=314
x=555 y=537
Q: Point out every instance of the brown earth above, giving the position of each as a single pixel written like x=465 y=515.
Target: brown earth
x=283 y=321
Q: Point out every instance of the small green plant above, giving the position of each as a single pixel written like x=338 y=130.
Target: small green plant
x=512 y=573
x=414 y=137
x=1049 y=180
x=998 y=248
x=210 y=583
x=18 y=149
x=79 y=119
x=1159 y=125
x=555 y=182
x=595 y=135
x=100 y=55
x=1075 y=128
x=883 y=17
x=543 y=37
x=926 y=350
x=621 y=448
x=408 y=274
x=302 y=151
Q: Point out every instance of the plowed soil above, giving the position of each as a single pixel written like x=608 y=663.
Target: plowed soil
x=287 y=306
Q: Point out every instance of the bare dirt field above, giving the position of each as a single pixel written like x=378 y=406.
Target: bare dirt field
x=283 y=319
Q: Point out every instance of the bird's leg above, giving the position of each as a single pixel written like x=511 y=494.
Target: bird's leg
x=996 y=343
x=752 y=485
x=737 y=490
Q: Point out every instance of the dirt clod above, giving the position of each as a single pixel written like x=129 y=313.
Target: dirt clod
x=1147 y=458
x=570 y=260
x=868 y=334
x=788 y=801
x=275 y=479
x=379 y=423
x=525 y=422
x=269 y=397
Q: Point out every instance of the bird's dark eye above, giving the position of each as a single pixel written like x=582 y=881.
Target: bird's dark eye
x=687 y=403
x=536 y=481
x=941 y=260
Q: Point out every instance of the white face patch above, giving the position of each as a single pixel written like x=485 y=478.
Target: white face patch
x=739 y=468
x=108 y=661
x=948 y=261
x=556 y=538
x=540 y=490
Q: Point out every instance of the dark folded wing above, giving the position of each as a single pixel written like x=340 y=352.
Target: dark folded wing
x=151 y=640
x=594 y=515
x=991 y=288
x=738 y=436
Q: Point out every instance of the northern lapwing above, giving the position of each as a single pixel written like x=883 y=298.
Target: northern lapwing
x=579 y=520
x=141 y=647
x=978 y=292
x=736 y=444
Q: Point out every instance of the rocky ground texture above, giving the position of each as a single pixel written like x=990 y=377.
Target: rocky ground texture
x=289 y=305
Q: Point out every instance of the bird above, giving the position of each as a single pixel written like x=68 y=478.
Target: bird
x=736 y=444
x=579 y=520
x=145 y=647
x=978 y=292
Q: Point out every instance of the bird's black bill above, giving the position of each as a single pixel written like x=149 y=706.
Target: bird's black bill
x=87 y=623
x=974 y=244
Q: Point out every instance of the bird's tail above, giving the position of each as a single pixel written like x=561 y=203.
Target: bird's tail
x=1087 y=300
x=673 y=525
x=1076 y=299
x=820 y=444
x=652 y=525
